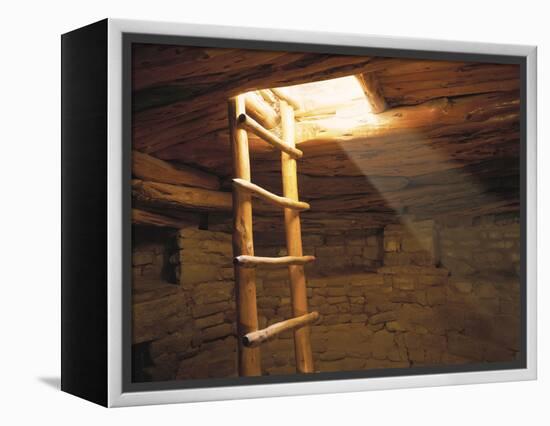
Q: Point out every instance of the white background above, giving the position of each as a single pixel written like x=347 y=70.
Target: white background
x=30 y=209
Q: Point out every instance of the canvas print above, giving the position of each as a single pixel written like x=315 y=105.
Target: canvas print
x=302 y=213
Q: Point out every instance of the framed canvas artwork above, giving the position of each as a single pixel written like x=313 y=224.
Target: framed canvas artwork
x=254 y=212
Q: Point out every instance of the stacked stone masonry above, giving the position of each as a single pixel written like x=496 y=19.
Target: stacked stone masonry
x=418 y=293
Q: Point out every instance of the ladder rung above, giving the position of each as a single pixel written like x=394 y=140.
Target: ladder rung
x=269 y=196
x=252 y=125
x=256 y=338
x=253 y=261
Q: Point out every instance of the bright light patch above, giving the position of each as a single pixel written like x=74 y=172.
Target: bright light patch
x=326 y=93
x=334 y=104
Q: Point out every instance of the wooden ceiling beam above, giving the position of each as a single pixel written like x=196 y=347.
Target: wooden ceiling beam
x=174 y=200
x=406 y=141
x=261 y=111
x=438 y=115
x=420 y=81
x=161 y=124
x=177 y=197
x=144 y=217
x=373 y=91
x=146 y=167
x=283 y=95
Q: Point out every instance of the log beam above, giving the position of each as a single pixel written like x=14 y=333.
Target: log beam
x=442 y=116
x=416 y=81
x=283 y=95
x=177 y=197
x=261 y=111
x=144 y=217
x=256 y=338
x=373 y=91
x=405 y=141
x=147 y=167
x=268 y=96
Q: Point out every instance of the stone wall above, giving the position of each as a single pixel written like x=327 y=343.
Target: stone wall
x=487 y=245
x=411 y=294
x=189 y=327
x=483 y=256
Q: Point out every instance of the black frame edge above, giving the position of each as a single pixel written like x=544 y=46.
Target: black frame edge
x=84 y=212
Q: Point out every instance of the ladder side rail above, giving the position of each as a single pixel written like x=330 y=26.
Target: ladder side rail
x=245 y=278
x=298 y=291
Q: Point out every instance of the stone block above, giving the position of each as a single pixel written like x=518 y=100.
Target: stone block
x=462 y=285
x=178 y=342
x=281 y=359
x=383 y=317
x=346 y=364
x=213 y=292
x=354 y=251
x=397 y=259
x=278 y=291
x=372 y=252
x=200 y=311
x=142 y=258
x=486 y=290
x=404 y=282
x=268 y=302
x=336 y=300
x=382 y=344
x=209 y=321
x=336 y=319
x=336 y=291
x=404 y=297
x=392 y=245
x=327 y=309
x=330 y=251
x=343 y=307
x=458 y=267
x=395 y=326
x=496 y=353
x=416 y=355
x=359 y=318
x=313 y=240
x=222 y=368
x=465 y=346
x=195 y=274
x=335 y=240
x=355 y=241
x=357 y=309
x=436 y=295
x=217 y=332
x=368 y=280
x=332 y=355
x=374 y=240
x=421 y=297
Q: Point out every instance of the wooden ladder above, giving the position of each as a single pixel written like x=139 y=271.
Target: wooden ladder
x=250 y=337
